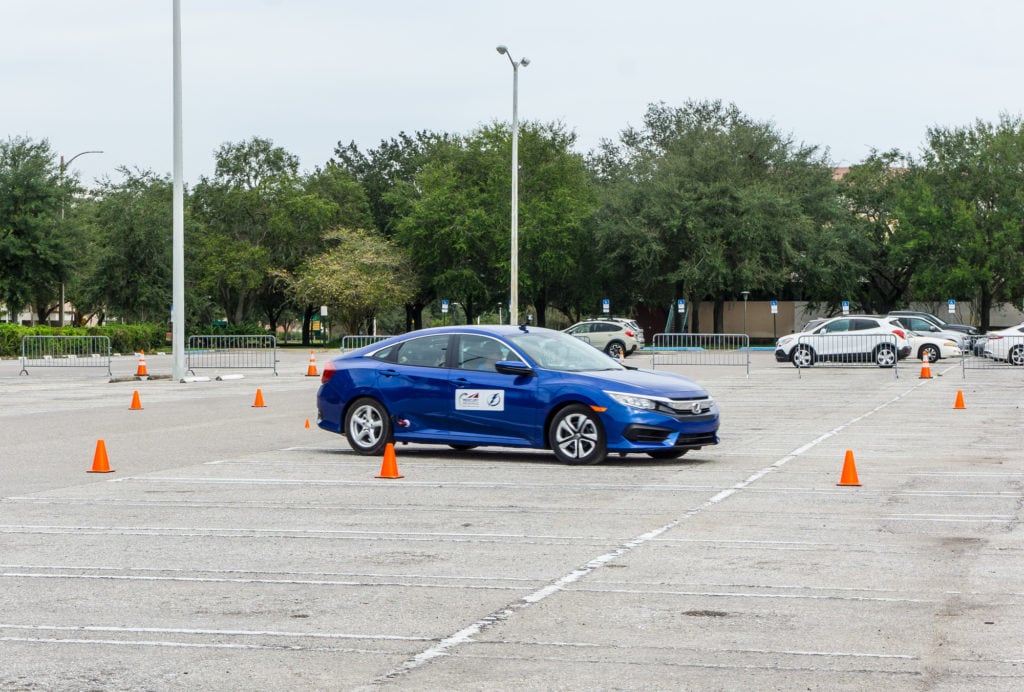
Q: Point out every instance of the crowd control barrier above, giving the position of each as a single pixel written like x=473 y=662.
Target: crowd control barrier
x=65 y=352
x=231 y=352
x=846 y=350
x=354 y=341
x=701 y=349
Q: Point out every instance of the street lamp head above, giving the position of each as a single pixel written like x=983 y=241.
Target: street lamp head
x=502 y=49
x=524 y=62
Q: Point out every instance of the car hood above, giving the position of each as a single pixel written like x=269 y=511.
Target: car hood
x=639 y=381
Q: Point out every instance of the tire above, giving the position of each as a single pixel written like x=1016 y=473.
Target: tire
x=577 y=437
x=802 y=357
x=667 y=453
x=615 y=349
x=932 y=350
x=1015 y=356
x=885 y=356
x=367 y=426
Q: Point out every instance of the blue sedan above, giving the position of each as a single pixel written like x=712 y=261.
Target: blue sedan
x=469 y=386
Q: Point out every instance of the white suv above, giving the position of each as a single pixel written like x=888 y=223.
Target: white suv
x=847 y=339
x=618 y=337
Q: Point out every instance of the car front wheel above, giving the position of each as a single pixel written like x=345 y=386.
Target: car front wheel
x=367 y=426
x=577 y=437
x=1016 y=356
x=615 y=349
x=929 y=350
x=803 y=357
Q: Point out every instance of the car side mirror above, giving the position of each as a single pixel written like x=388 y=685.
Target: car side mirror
x=513 y=367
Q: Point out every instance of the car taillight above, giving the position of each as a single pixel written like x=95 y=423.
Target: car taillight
x=630 y=334
x=994 y=337
x=900 y=333
x=329 y=371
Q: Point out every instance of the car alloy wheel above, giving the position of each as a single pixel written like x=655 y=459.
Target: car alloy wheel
x=1016 y=356
x=367 y=426
x=803 y=357
x=931 y=351
x=885 y=356
x=577 y=437
x=616 y=349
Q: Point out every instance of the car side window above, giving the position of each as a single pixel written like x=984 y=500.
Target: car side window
x=861 y=325
x=837 y=326
x=482 y=352
x=427 y=351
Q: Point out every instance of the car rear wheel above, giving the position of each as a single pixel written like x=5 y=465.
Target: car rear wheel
x=803 y=357
x=367 y=426
x=1016 y=356
x=885 y=356
x=577 y=437
x=929 y=350
x=667 y=453
x=615 y=349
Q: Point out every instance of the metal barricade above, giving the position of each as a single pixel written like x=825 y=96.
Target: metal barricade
x=701 y=349
x=846 y=350
x=232 y=352
x=354 y=341
x=65 y=352
x=993 y=352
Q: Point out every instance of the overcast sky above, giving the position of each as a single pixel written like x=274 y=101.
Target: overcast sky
x=849 y=76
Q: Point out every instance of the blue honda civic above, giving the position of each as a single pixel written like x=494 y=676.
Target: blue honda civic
x=469 y=386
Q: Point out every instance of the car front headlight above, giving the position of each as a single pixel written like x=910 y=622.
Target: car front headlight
x=633 y=400
x=783 y=341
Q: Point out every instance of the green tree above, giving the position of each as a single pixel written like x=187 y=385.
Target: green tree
x=256 y=218
x=704 y=202
x=129 y=249
x=35 y=253
x=967 y=205
x=361 y=274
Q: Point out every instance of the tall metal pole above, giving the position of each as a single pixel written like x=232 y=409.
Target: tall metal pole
x=178 y=220
x=513 y=315
x=60 y=183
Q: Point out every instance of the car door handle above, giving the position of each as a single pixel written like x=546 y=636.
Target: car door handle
x=389 y=372
x=461 y=380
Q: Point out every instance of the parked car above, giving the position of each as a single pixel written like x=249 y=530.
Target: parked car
x=468 y=386
x=938 y=322
x=1006 y=344
x=615 y=336
x=935 y=347
x=925 y=326
x=847 y=339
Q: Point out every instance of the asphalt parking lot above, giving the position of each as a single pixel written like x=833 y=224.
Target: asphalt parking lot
x=232 y=548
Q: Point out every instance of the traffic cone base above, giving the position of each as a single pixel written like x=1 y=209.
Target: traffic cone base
x=959 y=399
x=849 y=475
x=136 y=402
x=259 y=399
x=100 y=463
x=389 y=468
x=311 y=370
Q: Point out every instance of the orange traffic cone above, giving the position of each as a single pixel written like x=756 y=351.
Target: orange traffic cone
x=259 y=399
x=141 y=370
x=959 y=399
x=926 y=371
x=389 y=469
x=307 y=424
x=849 y=475
x=136 y=402
x=100 y=463
x=311 y=370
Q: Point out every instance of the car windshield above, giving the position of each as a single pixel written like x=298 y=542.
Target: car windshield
x=559 y=351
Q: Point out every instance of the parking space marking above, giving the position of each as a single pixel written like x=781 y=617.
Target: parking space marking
x=467 y=634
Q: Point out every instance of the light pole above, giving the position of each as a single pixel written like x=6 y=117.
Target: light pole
x=60 y=184
x=514 y=279
x=746 y=294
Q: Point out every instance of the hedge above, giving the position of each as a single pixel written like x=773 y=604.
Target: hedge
x=124 y=338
